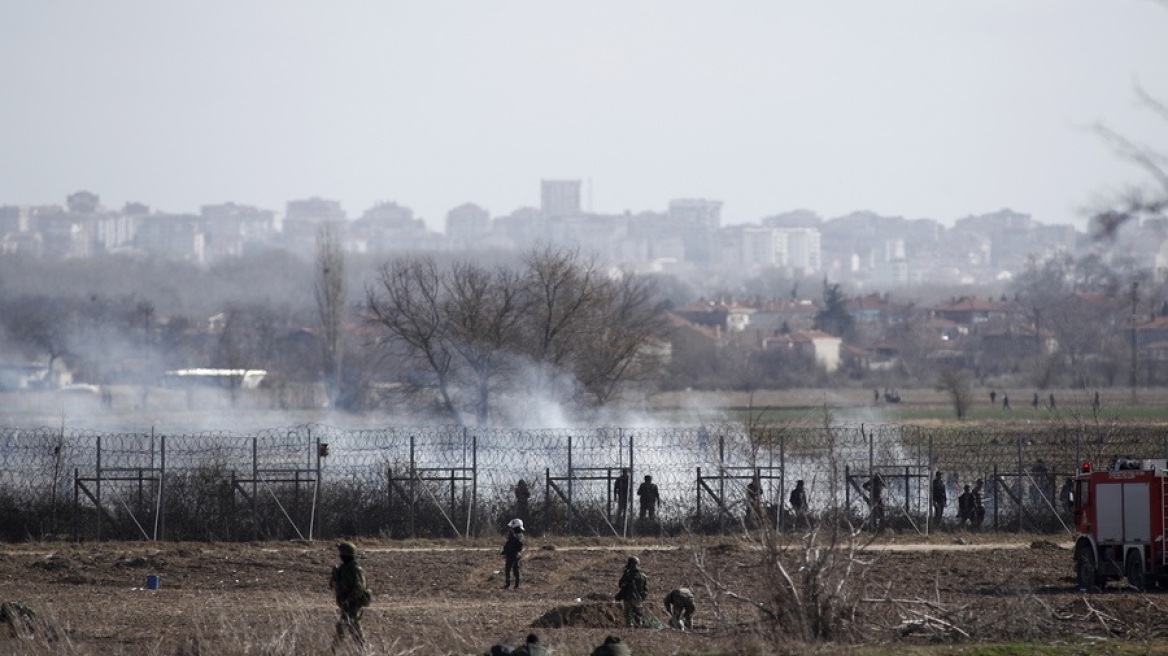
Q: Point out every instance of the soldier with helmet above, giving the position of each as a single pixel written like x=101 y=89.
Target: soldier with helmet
x=679 y=603
x=352 y=594
x=634 y=589
x=512 y=551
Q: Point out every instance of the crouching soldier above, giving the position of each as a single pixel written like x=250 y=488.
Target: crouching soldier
x=352 y=595
x=679 y=603
x=634 y=589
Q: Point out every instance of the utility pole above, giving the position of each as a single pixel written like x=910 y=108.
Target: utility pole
x=1135 y=299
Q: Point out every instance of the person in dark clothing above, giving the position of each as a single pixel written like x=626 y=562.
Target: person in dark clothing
x=612 y=646
x=939 y=499
x=1034 y=401
x=875 y=487
x=648 y=495
x=1067 y=495
x=351 y=592
x=620 y=490
x=1005 y=401
x=522 y=496
x=513 y=551
x=993 y=398
x=798 y=501
x=532 y=647
x=965 y=507
x=754 y=501
x=978 y=505
x=634 y=590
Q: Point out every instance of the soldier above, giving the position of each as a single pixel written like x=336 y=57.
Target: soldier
x=620 y=489
x=647 y=492
x=532 y=647
x=798 y=502
x=679 y=603
x=939 y=499
x=352 y=595
x=634 y=589
x=513 y=551
x=612 y=646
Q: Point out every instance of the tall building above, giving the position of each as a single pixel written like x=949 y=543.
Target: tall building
x=560 y=197
x=697 y=221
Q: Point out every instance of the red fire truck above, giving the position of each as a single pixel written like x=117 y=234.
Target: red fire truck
x=1120 y=523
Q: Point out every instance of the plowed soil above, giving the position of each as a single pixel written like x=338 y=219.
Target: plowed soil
x=447 y=597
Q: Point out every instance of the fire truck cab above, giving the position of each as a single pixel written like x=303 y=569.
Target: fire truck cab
x=1120 y=523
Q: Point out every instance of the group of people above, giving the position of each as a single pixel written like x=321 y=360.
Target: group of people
x=633 y=591
x=970 y=503
x=648 y=496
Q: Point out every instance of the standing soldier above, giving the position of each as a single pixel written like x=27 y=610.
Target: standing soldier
x=647 y=493
x=798 y=502
x=513 y=551
x=679 y=603
x=940 y=498
x=620 y=489
x=352 y=595
x=634 y=589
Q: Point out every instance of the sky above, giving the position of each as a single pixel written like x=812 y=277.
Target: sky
x=921 y=109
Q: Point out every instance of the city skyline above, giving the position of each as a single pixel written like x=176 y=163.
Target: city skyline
x=909 y=109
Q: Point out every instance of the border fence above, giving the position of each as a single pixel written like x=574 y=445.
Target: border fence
x=310 y=481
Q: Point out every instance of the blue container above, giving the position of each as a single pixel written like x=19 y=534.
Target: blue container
x=153 y=582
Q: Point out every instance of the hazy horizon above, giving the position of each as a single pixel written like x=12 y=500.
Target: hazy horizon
x=917 y=109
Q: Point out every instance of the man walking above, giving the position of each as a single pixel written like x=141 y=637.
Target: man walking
x=798 y=502
x=634 y=589
x=352 y=594
x=620 y=490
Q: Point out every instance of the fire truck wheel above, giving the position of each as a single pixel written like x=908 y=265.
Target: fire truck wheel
x=1085 y=568
x=1133 y=569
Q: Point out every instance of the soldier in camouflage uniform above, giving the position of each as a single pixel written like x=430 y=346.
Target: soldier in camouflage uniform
x=679 y=603
x=634 y=589
x=348 y=584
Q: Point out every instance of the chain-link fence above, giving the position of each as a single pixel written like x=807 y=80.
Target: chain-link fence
x=311 y=481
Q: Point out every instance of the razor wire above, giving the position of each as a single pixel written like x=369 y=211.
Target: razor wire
x=367 y=481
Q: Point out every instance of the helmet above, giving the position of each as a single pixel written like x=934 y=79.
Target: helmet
x=346 y=548
x=515 y=524
x=633 y=561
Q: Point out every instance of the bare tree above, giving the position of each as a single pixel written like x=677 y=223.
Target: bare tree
x=331 y=304
x=959 y=387
x=484 y=313
x=1150 y=200
x=406 y=303
x=473 y=330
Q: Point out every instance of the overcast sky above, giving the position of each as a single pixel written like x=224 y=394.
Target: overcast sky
x=928 y=108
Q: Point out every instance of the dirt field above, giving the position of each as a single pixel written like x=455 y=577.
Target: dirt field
x=446 y=597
